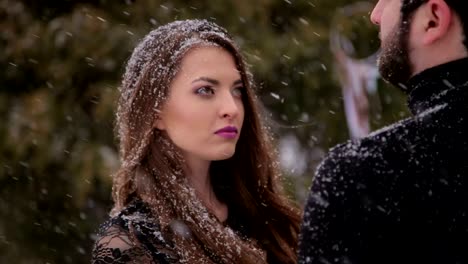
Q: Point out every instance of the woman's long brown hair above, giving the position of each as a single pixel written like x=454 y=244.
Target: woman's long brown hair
x=248 y=182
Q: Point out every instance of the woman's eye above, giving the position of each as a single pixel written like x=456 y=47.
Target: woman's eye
x=205 y=90
x=238 y=91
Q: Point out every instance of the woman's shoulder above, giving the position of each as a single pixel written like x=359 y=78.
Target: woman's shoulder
x=132 y=236
x=115 y=245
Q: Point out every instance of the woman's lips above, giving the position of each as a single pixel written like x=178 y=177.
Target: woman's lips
x=227 y=132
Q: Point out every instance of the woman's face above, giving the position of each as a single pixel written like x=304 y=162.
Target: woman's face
x=204 y=112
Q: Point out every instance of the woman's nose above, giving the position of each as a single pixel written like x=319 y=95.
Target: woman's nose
x=229 y=106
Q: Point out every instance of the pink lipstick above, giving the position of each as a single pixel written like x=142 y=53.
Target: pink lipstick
x=227 y=132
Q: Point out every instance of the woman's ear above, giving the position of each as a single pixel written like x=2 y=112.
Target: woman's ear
x=159 y=122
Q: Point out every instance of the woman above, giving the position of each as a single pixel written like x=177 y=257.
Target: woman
x=198 y=181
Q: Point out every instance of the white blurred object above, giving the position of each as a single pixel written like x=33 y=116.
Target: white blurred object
x=358 y=77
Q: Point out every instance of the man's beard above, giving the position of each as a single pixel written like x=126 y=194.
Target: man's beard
x=394 y=62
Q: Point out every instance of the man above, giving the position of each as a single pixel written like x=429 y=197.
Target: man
x=400 y=195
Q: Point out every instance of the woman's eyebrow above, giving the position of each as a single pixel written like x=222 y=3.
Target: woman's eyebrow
x=206 y=79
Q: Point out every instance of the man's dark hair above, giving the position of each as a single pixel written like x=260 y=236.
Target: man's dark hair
x=460 y=7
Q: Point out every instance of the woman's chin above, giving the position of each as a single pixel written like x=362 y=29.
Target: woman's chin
x=224 y=155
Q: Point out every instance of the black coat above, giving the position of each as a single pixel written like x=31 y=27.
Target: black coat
x=399 y=195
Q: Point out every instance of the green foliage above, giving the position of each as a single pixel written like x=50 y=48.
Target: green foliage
x=60 y=67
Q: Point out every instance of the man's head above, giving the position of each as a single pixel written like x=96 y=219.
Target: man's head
x=419 y=34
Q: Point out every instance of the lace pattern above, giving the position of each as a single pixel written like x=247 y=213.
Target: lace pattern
x=132 y=237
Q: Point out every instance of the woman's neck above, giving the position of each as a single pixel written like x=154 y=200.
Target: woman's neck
x=198 y=176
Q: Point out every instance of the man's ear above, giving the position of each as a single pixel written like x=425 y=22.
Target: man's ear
x=438 y=20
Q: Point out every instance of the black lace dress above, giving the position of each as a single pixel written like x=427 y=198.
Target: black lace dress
x=134 y=236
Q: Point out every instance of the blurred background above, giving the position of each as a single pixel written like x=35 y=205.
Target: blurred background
x=60 y=66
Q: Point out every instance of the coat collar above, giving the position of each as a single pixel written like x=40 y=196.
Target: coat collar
x=434 y=86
